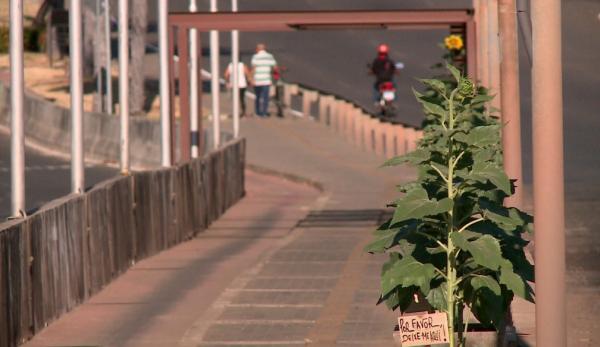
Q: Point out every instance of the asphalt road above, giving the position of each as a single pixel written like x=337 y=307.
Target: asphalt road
x=46 y=177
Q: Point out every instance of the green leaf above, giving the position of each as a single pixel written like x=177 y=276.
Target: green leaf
x=405 y=273
x=487 y=304
x=509 y=219
x=431 y=107
x=514 y=282
x=488 y=171
x=485 y=249
x=480 y=136
x=416 y=204
x=454 y=71
x=434 y=84
x=415 y=157
x=399 y=298
x=381 y=244
x=481 y=98
x=478 y=282
x=438 y=297
x=387 y=238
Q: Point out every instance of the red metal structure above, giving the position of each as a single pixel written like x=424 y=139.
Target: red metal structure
x=180 y=23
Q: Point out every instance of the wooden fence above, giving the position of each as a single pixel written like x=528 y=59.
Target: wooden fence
x=58 y=257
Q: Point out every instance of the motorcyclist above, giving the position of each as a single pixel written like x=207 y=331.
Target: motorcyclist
x=383 y=68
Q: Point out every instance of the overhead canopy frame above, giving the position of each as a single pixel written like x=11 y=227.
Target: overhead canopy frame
x=286 y=21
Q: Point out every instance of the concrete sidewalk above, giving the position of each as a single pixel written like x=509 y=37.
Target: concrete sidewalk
x=284 y=267
x=156 y=301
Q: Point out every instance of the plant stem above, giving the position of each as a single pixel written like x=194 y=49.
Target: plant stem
x=450 y=258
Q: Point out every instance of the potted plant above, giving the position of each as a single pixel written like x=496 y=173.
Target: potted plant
x=450 y=240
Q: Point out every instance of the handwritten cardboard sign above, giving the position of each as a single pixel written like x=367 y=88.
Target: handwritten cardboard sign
x=423 y=329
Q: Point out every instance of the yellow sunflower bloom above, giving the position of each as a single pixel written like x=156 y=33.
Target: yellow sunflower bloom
x=453 y=42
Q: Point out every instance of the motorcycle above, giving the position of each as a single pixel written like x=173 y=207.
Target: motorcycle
x=387 y=97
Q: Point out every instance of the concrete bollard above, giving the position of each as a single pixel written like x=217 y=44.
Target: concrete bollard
x=411 y=139
x=346 y=119
x=390 y=137
x=350 y=119
x=369 y=132
x=338 y=107
x=324 y=102
x=306 y=97
x=288 y=91
x=378 y=133
x=400 y=132
x=358 y=127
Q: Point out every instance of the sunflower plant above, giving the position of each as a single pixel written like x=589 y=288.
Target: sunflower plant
x=450 y=240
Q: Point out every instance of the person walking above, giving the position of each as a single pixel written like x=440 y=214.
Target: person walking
x=243 y=75
x=263 y=64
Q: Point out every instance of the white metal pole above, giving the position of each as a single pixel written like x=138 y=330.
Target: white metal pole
x=76 y=60
x=194 y=85
x=165 y=121
x=124 y=83
x=235 y=58
x=214 y=86
x=99 y=71
x=17 y=147
x=107 y=31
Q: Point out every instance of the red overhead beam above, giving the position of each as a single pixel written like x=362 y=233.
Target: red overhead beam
x=319 y=20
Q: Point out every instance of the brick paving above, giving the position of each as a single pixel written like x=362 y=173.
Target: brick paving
x=284 y=267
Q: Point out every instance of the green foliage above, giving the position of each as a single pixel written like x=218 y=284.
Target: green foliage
x=450 y=238
x=4 y=39
x=33 y=39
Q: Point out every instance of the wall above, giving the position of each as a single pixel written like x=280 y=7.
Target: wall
x=49 y=125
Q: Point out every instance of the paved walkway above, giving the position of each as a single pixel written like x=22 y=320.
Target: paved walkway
x=283 y=267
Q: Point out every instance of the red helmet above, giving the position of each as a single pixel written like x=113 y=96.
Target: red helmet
x=383 y=49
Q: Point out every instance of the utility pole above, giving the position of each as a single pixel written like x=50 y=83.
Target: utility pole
x=235 y=58
x=214 y=86
x=194 y=109
x=17 y=144
x=548 y=175
x=165 y=108
x=124 y=84
x=511 y=102
x=76 y=80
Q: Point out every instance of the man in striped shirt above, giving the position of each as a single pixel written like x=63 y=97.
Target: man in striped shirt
x=263 y=64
